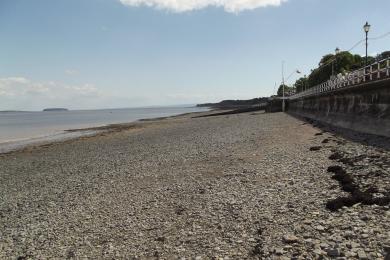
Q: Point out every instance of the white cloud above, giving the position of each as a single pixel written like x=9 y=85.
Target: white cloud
x=23 y=93
x=19 y=86
x=20 y=93
x=232 y=6
x=16 y=86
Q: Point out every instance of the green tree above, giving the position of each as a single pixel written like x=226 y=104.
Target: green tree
x=331 y=64
x=301 y=84
x=384 y=55
x=287 y=90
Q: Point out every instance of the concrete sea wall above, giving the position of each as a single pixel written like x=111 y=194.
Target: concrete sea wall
x=364 y=109
x=274 y=105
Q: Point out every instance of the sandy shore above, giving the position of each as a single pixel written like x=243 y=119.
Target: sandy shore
x=251 y=185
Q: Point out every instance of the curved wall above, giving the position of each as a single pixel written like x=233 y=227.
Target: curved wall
x=365 y=108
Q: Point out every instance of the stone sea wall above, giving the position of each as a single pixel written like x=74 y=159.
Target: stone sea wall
x=364 y=109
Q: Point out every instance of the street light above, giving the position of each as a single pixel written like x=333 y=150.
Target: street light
x=337 y=51
x=366 y=28
x=283 y=81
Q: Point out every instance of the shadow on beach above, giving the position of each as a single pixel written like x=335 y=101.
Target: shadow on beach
x=382 y=142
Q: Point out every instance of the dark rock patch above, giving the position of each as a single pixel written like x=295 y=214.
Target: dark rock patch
x=336 y=169
x=336 y=156
x=348 y=184
x=338 y=203
x=202 y=191
x=179 y=211
x=161 y=239
x=258 y=250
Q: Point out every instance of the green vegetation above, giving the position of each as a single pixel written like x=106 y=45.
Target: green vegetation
x=332 y=64
x=287 y=90
x=231 y=104
x=301 y=84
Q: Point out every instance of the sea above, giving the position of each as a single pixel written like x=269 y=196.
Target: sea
x=19 y=129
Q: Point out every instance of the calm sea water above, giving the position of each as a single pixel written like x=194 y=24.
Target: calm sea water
x=19 y=126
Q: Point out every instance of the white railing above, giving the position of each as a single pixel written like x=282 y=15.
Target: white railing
x=377 y=71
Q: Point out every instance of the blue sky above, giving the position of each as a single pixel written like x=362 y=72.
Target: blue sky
x=128 y=53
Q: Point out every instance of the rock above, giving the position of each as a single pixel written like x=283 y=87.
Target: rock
x=161 y=239
x=350 y=254
x=354 y=245
x=349 y=234
x=365 y=217
x=319 y=228
x=361 y=255
x=318 y=252
x=334 y=252
x=315 y=148
x=290 y=239
x=324 y=245
x=278 y=251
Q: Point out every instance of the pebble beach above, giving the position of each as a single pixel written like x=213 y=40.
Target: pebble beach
x=241 y=186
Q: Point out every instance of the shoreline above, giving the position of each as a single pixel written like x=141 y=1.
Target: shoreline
x=67 y=135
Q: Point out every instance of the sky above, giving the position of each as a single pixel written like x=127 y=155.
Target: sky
x=86 y=54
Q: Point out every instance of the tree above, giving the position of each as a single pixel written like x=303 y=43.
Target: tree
x=287 y=90
x=383 y=55
x=329 y=64
x=301 y=84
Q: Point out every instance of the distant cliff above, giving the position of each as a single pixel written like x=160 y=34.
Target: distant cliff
x=55 y=109
x=232 y=104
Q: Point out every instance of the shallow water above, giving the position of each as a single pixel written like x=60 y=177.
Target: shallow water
x=18 y=128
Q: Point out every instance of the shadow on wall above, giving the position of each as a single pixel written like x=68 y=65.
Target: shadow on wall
x=364 y=109
x=349 y=134
x=274 y=105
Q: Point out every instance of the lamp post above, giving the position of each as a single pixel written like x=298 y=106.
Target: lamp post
x=283 y=84
x=283 y=104
x=305 y=82
x=337 y=51
x=366 y=28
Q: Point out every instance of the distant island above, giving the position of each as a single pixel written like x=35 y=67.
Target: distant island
x=232 y=104
x=55 y=109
